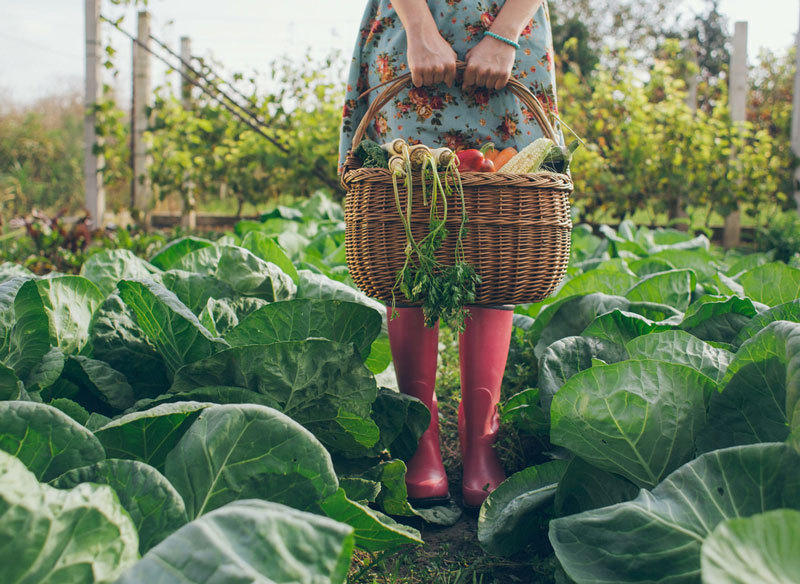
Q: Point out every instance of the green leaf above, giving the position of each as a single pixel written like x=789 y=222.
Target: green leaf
x=73 y=409
x=749 y=261
x=11 y=270
x=50 y=536
x=93 y=384
x=774 y=283
x=10 y=385
x=194 y=290
x=646 y=266
x=360 y=490
x=402 y=420
x=620 y=327
x=8 y=292
x=297 y=320
x=47 y=372
x=46 y=440
x=264 y=247
x=682 y=348
x=374 y=531
x=108 y=267
x=234 y=452
x=522 y=410
x=794 y=426
x=508 y=516
x=568 y=356
x=154 y=505
x=718 y=318
x=570 y=317
x=250 y=541
x=761 y=548
x=321 y=384
x=759 y=391
x=212 y=394
x=584 y=487
x=700 y=261
x=660 y=533
x=313 y=285
x=171 y=253
x=602 y=280
x=70 y=302
x=246 y=273
x=118 y=340
x=218 y=316
x=638 y=419
x=393 y=498
x=380 y=355
x=673 y=288
x=149 y=435
x=168 y=324
x=28 y=340
x=788 y=311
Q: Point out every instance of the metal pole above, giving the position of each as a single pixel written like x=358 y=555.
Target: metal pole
x=141 y=187
x=95 y=195
x=737 y=100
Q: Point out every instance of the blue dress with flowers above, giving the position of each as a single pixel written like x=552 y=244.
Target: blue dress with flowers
x=438 y=115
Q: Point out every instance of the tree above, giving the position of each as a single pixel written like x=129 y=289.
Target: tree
x=710 y=42
x=636 y=27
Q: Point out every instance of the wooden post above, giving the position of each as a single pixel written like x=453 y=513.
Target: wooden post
x=189 y=218
x=737 y=100
x=95 y=195
x=694 y=79
x=186 y=86
x=141 y=192
x=796 y=119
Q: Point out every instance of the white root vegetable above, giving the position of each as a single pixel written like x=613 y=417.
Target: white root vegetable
x=418 y=153
x=443 y=156
x=394 y=147
x=397 y=165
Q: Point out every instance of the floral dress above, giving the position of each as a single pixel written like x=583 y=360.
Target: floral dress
x=438 y=115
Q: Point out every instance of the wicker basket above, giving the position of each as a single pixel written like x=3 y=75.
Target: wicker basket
x=518 y=229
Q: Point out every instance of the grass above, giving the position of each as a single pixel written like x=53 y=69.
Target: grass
x=452 y=555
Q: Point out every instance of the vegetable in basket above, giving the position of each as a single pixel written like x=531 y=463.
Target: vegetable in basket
x=371 y=154
x=530 y=158
x=444 y=291
x=473 y=160
x=500 y=157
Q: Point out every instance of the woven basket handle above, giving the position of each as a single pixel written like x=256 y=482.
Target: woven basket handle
x=394 y=87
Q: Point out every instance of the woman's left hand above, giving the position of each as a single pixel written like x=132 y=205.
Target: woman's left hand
x=489 y=64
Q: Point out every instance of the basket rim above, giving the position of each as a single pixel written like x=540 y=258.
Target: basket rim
x=536 y=180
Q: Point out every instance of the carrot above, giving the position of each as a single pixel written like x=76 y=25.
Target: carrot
x=504 y=156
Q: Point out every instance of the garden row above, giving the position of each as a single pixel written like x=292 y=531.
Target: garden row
x=662 y=379
x=222 y=411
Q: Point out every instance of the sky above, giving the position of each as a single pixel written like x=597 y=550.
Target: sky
x=42 y=41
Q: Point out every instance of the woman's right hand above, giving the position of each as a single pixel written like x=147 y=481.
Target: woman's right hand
x=431 y=59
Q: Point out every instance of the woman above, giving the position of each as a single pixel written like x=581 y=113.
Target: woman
x=496 y=40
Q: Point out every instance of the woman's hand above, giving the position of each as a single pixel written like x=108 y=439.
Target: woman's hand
x=431 y=59
x=489 y=64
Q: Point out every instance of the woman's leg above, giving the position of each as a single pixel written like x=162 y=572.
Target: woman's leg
x=415 y=350
x=483 y=350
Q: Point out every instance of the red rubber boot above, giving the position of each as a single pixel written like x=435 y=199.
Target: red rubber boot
x=483 y=350
x=415 y=350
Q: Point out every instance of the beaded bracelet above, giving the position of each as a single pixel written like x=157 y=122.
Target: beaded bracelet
x=501 y=38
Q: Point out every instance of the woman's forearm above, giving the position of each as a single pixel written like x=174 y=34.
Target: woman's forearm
x=513 y=17
x=430 y=58
x=416 y=17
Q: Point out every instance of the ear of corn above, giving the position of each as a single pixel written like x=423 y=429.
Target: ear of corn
x=529 y=159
